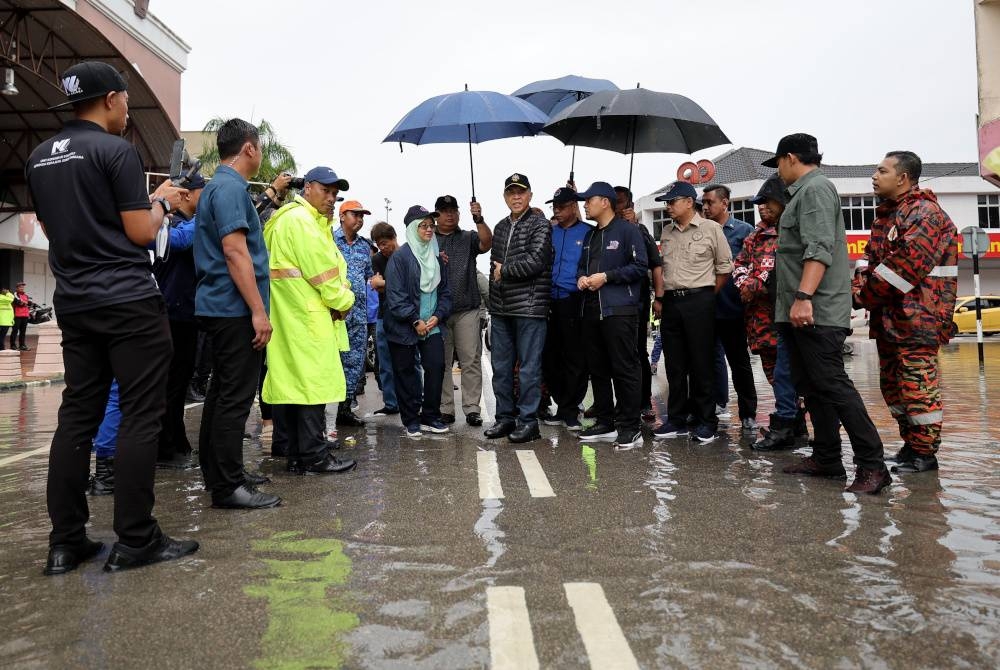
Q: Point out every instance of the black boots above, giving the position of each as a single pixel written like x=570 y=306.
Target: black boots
x=780 y=436
x=102 y=482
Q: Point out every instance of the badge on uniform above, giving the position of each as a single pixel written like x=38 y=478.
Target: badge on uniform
x=698 y=236
x=612 y=245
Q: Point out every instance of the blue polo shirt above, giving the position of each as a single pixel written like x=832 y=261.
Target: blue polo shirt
x=224 y=208
x=567 y=246
x=727 y=302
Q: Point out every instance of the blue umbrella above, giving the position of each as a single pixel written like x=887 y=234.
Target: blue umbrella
x=468 y=116
x=553 y=95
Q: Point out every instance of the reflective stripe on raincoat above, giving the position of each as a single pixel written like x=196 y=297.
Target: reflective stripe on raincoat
x=308 y=279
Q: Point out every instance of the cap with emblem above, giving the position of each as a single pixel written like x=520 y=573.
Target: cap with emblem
x=562 y=196
x=88 y=80
x=797 y=143
x=418 y=213
x=599 y=188
x=445 y=202
x=517 y=179
x=679 y=189
x=326 y=176
x=353 y=206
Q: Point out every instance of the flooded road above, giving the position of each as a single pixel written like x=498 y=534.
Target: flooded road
x=454 y=552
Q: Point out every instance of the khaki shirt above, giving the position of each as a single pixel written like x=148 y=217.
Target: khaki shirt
x=694 y=256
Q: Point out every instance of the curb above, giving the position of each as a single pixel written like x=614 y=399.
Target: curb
x=14 y=386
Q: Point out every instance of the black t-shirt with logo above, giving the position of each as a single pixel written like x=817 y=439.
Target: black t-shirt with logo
x=80 y=180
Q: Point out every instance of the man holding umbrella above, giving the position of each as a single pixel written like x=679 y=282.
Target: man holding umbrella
x=520 y=292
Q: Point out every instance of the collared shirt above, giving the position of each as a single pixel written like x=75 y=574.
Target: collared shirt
x=461 y=248
x=358 y=255
x=812 y=229
x=567 y=246
x=692 y=257
x=727 y=301
x=225 y=207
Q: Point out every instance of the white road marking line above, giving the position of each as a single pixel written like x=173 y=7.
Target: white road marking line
x=602 y=636
x=488 y=399
x=489 y=475
x=20 y=457
x=538 y=483
x=512 y=645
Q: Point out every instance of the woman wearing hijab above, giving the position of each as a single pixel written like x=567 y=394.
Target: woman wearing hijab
x=418 y=302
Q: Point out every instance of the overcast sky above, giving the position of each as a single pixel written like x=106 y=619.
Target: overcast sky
x=333 y=78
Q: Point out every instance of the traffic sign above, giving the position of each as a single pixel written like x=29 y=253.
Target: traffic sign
x=974 y=241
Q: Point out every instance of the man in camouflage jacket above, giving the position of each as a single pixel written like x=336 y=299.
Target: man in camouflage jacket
x=907 y=279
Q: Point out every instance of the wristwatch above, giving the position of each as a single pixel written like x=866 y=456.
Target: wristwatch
x=165 y=204
x=802 y=295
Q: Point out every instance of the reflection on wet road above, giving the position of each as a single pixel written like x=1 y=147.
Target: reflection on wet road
x=455 y=552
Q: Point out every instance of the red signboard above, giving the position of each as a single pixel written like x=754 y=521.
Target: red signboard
x=856 y=243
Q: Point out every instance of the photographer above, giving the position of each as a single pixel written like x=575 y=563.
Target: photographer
x=89 y=191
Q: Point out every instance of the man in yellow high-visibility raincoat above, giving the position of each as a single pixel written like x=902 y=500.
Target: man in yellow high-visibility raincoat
x=310 y=294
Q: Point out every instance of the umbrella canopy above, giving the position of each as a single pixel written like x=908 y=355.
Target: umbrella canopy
x=468 y=116
x=637 y=120
x=554 y=95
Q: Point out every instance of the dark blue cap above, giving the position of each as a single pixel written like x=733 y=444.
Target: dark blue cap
x=679 y=189
x=600 y=188
x=418 y=213
x=773 y=189
x=326 y=176
x=195 y=181
x=562 y=196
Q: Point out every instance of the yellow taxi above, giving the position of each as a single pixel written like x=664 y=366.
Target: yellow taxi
x=965 y=314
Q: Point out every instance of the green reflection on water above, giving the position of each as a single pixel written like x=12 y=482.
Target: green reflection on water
x=589 y=457
x=306 y=618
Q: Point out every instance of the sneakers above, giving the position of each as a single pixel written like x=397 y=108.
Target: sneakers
x=870 y=481
x=669 y=429
x=573 y=424
x=722 y=412
x=435 y=426
x=748 y=425
x=598 y=432
x=386 y=411
x=412 y=432
x=810 y=467
x=161 y=549
x=704 y=434
x=549 y=419
x=627 y=438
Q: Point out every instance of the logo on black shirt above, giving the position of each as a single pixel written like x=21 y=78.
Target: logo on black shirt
x=60 y=146
x=71 y=85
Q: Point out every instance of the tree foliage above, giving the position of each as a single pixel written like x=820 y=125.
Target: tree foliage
x=277 y=157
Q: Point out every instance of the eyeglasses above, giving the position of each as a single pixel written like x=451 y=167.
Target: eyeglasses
x=427 y=226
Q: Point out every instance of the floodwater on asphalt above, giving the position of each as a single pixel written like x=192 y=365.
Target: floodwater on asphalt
x=457 y=552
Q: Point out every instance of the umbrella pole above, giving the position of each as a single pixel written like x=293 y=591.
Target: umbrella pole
x=472 y=172
x=572 y=164
x=631 y=156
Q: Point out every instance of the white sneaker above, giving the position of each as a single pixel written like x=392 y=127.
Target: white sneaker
x=722 y=412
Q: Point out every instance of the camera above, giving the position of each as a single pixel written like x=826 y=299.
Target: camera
x=296 y=182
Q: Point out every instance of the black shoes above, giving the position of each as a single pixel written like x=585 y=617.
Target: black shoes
x=780 y=436
x=915 y=464
x=525 y=433
x=102 y=483
x=448 y=419
x=66 y=557
x=255 y=478
x=349 y=419
x=386 y=411
x=499 y=429
x=161 y=549
x=330 y=464
x=473 y=419
x=176 y=462
x=247 y=497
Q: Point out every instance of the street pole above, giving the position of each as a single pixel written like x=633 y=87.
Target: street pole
x=387 y=208
x=979 y=308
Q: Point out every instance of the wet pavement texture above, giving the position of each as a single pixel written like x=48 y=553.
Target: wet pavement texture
x=668 y=555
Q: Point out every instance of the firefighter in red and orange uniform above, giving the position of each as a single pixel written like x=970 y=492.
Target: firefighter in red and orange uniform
x=907 y=279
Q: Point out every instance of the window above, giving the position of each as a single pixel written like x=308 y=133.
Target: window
x=660 y=219
x=859 y=212
x=989 y=211
x=743 y=210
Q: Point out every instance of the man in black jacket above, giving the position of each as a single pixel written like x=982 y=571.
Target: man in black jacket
x=610 y=272
x=520 y=292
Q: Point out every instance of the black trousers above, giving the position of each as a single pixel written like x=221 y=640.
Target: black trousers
x=266 y=409
x=3 y=337
x=300 y=432
x=173 y=438
x=564 y=360
x=19 y=331
x=129 y=342
x=228 y=402
x=688 y=333
x=816 y=354
x=612 y=358
x=203 y=361
x=418 y=405
x=732 y=333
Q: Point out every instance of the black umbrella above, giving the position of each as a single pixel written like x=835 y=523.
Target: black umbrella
x=635 y=121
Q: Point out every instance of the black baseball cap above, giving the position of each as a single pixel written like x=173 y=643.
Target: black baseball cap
x=797 y=143
x=678 y=189
x=88 y=80
x=195 y=181
x=562 y=196
x=517 y=179
x=445 y=202
x=772 y=189
x=599 y=188
x=418 y=212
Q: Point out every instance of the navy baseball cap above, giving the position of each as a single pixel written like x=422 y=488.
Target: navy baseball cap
x=88 y=80
x=517 y=179
x=797 y=143
x=326 y=176
x=679 y=189
x=599 y=188
x=772 y=189
x=445 y=202
x=195 y=181
x=417 y=213
x=562 y=196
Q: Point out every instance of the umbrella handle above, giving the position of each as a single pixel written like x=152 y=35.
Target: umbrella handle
x=472 y=172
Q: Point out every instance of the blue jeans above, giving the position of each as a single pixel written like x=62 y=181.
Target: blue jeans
x=517 y=339
x=385 y=367
x=106 y=440
x=786 y=398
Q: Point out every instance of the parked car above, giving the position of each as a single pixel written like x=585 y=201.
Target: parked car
x=965 y=314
